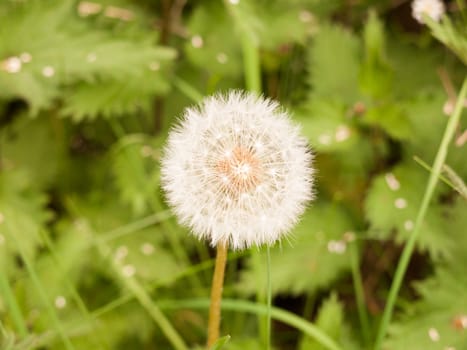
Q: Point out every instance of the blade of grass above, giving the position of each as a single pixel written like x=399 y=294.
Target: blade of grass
x=74 y=293
x=410 y=245
x=259 y=309
x=359 y=293
x=50 y=309
x=188 y=90
x=269 y=299
x=16 y=315
x=145 y=300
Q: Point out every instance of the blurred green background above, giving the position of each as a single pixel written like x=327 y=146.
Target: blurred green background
x=90 y=255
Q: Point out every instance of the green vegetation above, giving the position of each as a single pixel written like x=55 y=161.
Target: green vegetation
x=90 y=255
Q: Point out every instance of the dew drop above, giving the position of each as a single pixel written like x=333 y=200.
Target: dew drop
x=222 y=58
x=197 y=41
x=342 y=133
x=147 y=248
x=60 y=302
x=12 y=65
x=337 y=247
x=324 y=139
x=146 y=151
x=305 y=16
x=400 y=203
x=91 y=57
x=392 y=181
x=48 y=71
x=154 y=66
x=408 y=225
x=25 y=57
x=121 y=253
x=433 y=334
x=128 y=270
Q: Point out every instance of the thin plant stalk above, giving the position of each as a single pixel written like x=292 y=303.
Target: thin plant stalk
x=13 y=306
x=410 y=245
x=287 y=317
x=216 y=294
x=43 y=294
x=269 y=299
x=359 y=293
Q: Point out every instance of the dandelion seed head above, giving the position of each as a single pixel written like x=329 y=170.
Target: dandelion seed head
x=432 y=8
x=236 y=170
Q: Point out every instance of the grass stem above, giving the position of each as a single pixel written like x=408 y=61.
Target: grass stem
x=410 y=245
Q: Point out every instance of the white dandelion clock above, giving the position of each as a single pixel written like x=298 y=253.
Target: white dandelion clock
x=236 y=171
x=432 y=8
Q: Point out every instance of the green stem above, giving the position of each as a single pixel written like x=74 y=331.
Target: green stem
x=74 y=293
x=188 y=90
x=359 y=293
x=13 y=306
x=269 y=299
x=410 y=245
x=145 y=300
x=251 y=63
x=246 y=306
x=50 y=309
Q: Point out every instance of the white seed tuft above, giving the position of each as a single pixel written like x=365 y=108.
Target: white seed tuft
x=432 y=8
x=260 y=167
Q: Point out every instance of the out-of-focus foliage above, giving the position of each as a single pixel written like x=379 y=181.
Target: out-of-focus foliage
x=88 y=249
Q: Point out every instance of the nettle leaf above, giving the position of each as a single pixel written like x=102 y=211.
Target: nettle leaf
x=283 y=15
x=61 y=266
x=330 y=320
x=392 y=205
x=316 y=256
x=36 y=146
x=437 y=320
x=429 y=122
x=333 y=60
x=326 y=126
x=23 y=215
x=376 y=74
x=143 y=254
x=136 y=171
x=110 y=98
x=209 y=48
x=391 y=118
x=59 y=49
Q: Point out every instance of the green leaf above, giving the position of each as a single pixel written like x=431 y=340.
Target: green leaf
x=219 y=344
x=392 y=204
x=136 y=172
x=333 y=61
x=326 y=126
x=437 y=320
x=315 y=257
x=23 y=215
x=391 y=118
x=376 y=74
x=58 y=49
x=330 y=320
x=209 y=48
x=37 y=146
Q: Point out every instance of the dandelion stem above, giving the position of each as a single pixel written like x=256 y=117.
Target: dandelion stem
x=216 y=294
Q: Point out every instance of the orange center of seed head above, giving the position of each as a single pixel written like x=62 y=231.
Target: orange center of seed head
x=240 y=171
